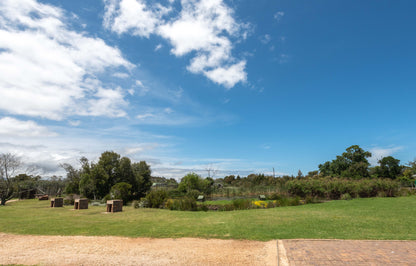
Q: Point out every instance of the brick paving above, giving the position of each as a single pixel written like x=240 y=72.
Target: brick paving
x=349 y=252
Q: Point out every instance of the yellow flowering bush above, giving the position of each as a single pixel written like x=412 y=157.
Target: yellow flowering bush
x=260 y=204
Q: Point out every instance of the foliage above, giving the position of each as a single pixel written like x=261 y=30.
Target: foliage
x=72 y=179
x=182 y=204
x=156 y=198
x=25 y=186
x=9 y=163
x=95 y=180
x=346 y=196
x=335 y=187
x=352 y=163
x=193 y=182
x=389 y=167
x=142 y=174
x=241 y=204
x=122 y=191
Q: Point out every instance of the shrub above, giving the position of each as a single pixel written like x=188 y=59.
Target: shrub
x=203 y=207
x=294 y=201
x=182 y=204
x=135 y=204
x=334 y=188
x=156 y=198
x=346 y=196
x=260 y=204
x=69 y=199
x=121 y=191
x=241 y=204
x=193 y=193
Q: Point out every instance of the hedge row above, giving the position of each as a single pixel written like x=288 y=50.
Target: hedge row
x=334 y=188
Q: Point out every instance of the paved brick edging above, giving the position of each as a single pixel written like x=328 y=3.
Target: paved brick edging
x=348 y=252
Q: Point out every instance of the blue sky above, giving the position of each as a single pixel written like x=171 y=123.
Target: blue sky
x=236 y=86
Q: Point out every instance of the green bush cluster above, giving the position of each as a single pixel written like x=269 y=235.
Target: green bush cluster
x=182 y=204
x=156 y=199
x=334 y=188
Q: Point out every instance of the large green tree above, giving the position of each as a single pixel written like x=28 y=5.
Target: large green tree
x=389 y=167
x=97 y=179
x=73 y=177
x=352 y=163
x=142 y=174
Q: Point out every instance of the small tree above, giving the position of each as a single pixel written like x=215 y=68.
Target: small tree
x=122 y=191
x=191 y=181
x=9 y=163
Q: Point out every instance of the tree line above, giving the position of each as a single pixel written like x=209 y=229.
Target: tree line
x=113 y=176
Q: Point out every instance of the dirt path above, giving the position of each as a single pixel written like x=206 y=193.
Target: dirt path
x=84 y=250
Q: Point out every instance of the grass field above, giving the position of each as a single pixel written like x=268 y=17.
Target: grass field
x=372 y=218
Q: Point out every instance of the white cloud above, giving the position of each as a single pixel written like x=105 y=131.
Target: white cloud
x=108 y=102
x=144 y=116
x=164 y=116
x=140 y=149
x=378 y=153
x=202 y=27
x=283 y=58
x=139 y=83
x=278 y=15
x=158 y=47
x=74 y=123
x=16 y=128
x=168 y=110
x=228 y=76
x=265 y=39
x=121 y=75
x=131 y=16
x=54 y=75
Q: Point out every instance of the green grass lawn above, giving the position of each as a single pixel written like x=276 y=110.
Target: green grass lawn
x=374 y=218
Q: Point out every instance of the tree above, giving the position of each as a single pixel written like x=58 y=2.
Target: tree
x=229 y=179
x=97 y=179
x=355 y=155
x=122 y=191
x=9 y=163
x=94 y=180
x=110 y=162
x=389 y=167
x=352 y=163
x=191 y=181
x=72 y=179
x=142 y=174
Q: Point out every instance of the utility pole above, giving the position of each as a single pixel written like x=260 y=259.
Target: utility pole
x=273 y=173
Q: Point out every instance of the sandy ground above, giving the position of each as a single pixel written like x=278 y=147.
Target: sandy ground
x=85 y=250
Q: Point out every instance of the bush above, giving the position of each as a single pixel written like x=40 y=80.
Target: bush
x=334 y=188
x=183 y=204
x=294 y=201
x=69 y=199
x=241 y=204
x=346 y=196
x=106 y=197
x=121 y=191
x=135 y=204
x=156 y=198
x=193 y=193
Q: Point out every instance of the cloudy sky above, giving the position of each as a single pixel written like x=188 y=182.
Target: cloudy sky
x=237 y=86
